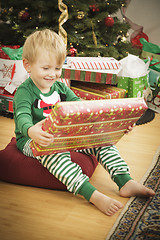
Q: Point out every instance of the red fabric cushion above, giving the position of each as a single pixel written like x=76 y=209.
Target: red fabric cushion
x=17 y=168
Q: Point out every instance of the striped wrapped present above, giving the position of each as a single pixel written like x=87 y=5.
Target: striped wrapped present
x=93 y=63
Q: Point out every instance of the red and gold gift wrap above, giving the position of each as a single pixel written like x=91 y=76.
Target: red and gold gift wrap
x=95 y=91
x=86 y=124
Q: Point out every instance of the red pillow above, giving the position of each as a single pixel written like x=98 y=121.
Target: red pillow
x=17 y=168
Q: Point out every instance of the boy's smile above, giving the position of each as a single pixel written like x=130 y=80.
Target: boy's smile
x=44 y=71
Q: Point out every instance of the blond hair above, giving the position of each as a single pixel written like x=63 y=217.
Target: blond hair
x=44 y=40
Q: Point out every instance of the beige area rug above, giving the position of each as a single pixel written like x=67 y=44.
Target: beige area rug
x=140 y=218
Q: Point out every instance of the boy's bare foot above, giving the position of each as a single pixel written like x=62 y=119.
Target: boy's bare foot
x=105 y=204
x=133 y=188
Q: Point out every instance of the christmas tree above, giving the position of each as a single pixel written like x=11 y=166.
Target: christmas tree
x=89 y=28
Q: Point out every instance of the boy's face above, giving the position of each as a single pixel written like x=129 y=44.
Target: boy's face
x=44 y=71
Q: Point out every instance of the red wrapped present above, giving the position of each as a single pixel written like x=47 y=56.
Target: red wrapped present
x=97 y=91
x=85 y=124
x=3 y=54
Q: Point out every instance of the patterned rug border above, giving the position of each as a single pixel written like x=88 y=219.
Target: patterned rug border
x=144 y=178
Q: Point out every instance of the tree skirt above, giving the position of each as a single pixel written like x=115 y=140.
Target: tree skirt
x=140 y=219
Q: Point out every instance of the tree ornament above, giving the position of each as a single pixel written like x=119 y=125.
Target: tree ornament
x=72 y=51
x=80 y=15
x=94 y=8
x=24 y=15
x=109 y=21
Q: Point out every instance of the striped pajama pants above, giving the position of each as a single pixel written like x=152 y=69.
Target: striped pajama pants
x=70 y=173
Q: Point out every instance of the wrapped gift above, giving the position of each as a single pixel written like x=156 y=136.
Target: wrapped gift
x=85 y=124
x=12 y=74
x=87 y=94
x=5 y=55
x=154 y=102
x=153 y=99
x=134 y=76
x=134 y=87
x=154 y=78
x=95 y=91
x=150 y=49
x=93 y=63
x=97 y=76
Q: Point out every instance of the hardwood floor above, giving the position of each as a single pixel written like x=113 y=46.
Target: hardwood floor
x=31 y=213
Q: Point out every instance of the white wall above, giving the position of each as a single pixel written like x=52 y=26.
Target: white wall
x=147 y=14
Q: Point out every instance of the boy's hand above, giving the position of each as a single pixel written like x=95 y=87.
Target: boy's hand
x=130 y=128
x=39 y=136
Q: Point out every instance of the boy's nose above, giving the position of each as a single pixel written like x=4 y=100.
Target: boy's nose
x=52 y=74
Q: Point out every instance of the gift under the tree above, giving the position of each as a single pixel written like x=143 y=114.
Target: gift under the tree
x=134 y=76
x=97 y=76
x=93 y=63
x=3 y=54
x=96 y=91
x=134 y=87
x=150 y=50
x=86 y=124
x=153 y=99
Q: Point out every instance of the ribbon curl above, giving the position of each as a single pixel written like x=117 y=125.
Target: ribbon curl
x=62 y=19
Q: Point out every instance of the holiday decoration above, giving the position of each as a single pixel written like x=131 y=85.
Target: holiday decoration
x=86 y=124
x=62 y=19
x=93 y=63
x=72 y=51
x=80 y=15
x=24 y=15
x=109 y=21
x=85 y=27
x=94 y=8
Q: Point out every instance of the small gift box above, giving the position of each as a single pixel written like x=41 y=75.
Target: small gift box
x=86 y=124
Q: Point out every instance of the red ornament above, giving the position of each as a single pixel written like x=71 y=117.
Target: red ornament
x=94 y=8
x=109 y=21
x=72 y=51
x=135 y=41
x=23 y=15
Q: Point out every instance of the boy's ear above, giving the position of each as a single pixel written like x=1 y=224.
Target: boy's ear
x=26 y=65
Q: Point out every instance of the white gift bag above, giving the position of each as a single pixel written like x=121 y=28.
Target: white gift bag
x=12 y=74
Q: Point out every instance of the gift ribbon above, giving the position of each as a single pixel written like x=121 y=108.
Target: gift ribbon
x=12 y=73
x=62 y=19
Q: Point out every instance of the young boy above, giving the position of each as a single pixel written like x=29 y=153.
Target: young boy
x=43 y=56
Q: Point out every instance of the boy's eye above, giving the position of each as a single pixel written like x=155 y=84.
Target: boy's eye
x=45 y=68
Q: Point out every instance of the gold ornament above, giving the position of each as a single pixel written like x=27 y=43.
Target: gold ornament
x=94 y=35
x=62 y=19
x=80 y=15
